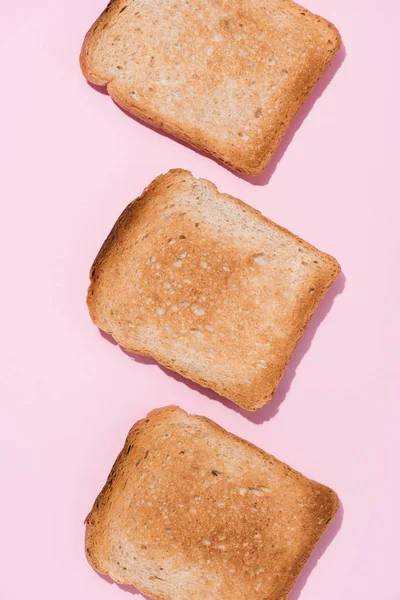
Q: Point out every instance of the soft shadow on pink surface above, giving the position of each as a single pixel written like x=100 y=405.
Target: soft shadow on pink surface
x=305 y=110
x=271 y=409
x=126 y=588
x=320 y=549
x=266 y=175
x=266 y=413
x=312 y=562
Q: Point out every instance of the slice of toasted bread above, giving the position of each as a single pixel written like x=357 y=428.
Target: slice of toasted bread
x=226 y=76
x=191 y=512
x=207 y=286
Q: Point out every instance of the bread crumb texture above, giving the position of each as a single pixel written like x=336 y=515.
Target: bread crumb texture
x=226 y=76
x=207 y=286
x=190 y=511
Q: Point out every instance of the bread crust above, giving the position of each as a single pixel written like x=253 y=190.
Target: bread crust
x=249 y=153
x=203 y=440
x=195 y=311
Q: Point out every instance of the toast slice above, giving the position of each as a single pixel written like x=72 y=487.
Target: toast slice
x=191 y=512
x=226 y=76
x=208 y=287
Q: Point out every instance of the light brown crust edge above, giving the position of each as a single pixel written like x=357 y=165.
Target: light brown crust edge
x=84 y=62
x=163 y=413
x=252 y=167
x=256 y=401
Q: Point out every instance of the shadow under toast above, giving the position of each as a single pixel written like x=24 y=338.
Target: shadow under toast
x=318 y=552
x=126 y=588
x=317 y=91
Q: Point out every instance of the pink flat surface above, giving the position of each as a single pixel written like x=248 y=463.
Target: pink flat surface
x=71 y=161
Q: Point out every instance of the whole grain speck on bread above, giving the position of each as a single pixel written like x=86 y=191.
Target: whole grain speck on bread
x=190 y=512
x=207 y=286
x=226 y=76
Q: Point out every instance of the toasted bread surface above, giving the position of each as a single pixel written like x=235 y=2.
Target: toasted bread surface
x=226 y=76
x=207 y=286
x=191 y=511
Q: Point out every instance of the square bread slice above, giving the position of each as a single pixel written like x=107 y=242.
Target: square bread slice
x=192 y=512
x=226 y=76
x=208 y=287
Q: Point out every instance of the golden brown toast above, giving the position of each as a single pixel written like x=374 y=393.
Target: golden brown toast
x=226 y=76
x=191 y=512
x=207 y=286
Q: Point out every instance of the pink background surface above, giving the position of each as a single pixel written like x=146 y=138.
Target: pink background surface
x=71 y=162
